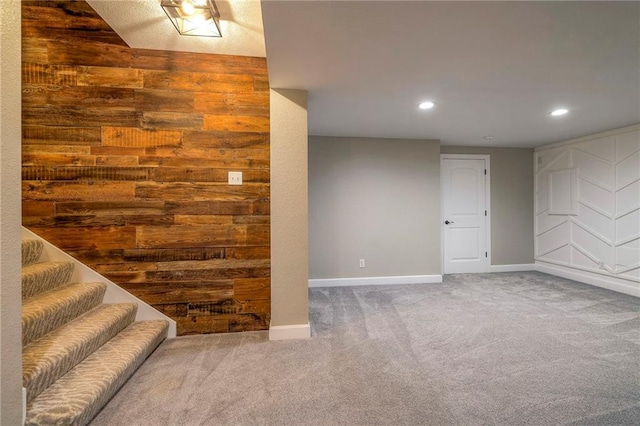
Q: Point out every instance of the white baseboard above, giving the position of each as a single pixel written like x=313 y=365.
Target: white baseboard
x=289 y=332
x=513 y=268
x=610 y=283
x=403 y=279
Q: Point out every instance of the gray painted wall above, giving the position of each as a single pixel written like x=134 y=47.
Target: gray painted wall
x=511 y=202
x=289 y=241
x=373 y=199
x=10 y=257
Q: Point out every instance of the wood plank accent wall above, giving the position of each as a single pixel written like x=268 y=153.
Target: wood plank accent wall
x=125 y=161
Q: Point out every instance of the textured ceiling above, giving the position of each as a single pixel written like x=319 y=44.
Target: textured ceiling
x=143 y=24
x=493 y=68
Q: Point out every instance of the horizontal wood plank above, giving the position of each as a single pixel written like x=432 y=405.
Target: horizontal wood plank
x=164 y=101
x=90 y=238
x=52 y=172
x=249 y=322
x=48 y=115
x=209 y=207
x=252 y=289
x=45 y=74
x=38 y=209
x=56 y=149
x=90 y=54
x=67 y=15
x=110 y=208
x=37 y=158
x=47 y=135
x=172 y=255
x=258 y=252
x=203 y=220
x=206 y=82
x=172 y=120
x=68 y=191
x=109 y=77
x=201 y=236
x=197 y=62
x=131 y=137
x=236 y=123
x=200 y=174
x=230 y=140
x=200 y=325
x=183 y=292
x=232 y=104
x=202 y=191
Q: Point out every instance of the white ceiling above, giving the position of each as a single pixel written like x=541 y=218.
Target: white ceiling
x=142 y=24
x=493 y=68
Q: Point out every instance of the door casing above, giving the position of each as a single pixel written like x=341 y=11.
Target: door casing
x=487 y=194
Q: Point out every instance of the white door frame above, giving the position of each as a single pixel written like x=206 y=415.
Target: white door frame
x=487 y=194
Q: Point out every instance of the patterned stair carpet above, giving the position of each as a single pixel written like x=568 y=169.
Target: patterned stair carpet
x=77 y=352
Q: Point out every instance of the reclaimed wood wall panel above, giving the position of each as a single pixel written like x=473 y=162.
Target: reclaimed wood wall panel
x=126 y=154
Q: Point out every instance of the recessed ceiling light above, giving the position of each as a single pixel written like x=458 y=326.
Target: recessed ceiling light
x=488 y=137
x=558 y=112
x=426 y=105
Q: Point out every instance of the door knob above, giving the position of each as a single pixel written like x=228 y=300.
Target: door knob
x=446 y=222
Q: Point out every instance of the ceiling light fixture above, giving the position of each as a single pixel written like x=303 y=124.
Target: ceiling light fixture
x=426 y=105
x=558 y=112
x=488 y=137
x=193 y=17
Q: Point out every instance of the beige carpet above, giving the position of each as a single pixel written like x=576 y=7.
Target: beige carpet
x=489 y=349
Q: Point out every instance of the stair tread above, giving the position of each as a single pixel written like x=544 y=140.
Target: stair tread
x=31 y=251
x=45 y=312
x=80 y=394
x=55 y=353
x=40 y=277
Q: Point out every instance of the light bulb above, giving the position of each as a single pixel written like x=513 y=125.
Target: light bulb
x=187 y=7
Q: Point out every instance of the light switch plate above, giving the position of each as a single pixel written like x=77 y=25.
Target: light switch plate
x=235 y=178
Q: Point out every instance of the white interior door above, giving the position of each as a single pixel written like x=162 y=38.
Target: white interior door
x=465 y=217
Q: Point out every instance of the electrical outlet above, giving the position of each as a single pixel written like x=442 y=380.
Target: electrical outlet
x=362 y=263
x=235 y=178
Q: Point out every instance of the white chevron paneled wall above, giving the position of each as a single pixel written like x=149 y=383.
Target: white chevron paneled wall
x=587 y=204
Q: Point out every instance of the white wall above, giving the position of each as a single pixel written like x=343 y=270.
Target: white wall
x=587 y=209
x=10 y=215
x=289 y=217
x=377 y=200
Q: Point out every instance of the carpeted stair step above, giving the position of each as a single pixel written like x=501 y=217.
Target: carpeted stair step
x=80 y=394
x=47 y=311
x=40 y=277
x=31 y=251
x=50 y=357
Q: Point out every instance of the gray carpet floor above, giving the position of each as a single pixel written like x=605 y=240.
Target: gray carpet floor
x=487 y=349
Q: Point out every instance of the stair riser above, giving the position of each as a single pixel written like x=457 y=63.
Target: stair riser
x=43 y=277
x=43 y=364
x=43 y=319
x=31 y=251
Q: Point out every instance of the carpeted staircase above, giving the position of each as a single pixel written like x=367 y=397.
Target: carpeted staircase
x=76 y=351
